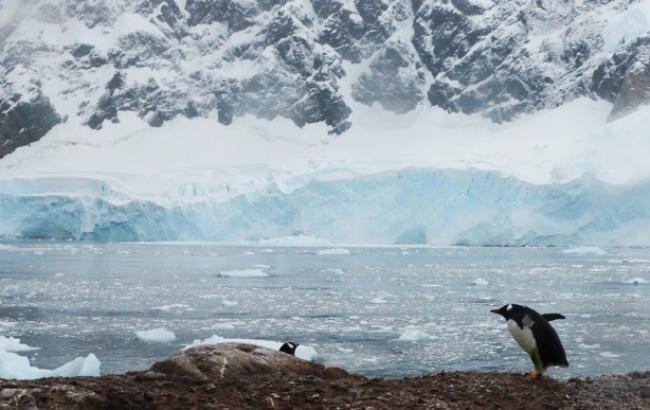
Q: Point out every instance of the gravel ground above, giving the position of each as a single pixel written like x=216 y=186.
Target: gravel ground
x=235 y=376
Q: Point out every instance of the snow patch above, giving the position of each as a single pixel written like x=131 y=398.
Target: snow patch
x=303 y=352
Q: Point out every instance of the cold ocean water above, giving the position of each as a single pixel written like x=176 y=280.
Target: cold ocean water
x=377 y=311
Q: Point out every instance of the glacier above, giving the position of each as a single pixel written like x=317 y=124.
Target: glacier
x=565 y=176
x=409 y=206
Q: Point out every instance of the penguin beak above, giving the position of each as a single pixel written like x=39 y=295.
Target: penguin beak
x=495 y=311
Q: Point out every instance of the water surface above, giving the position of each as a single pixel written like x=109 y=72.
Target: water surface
x=356 y=309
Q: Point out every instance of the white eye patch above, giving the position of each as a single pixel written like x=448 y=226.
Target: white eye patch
x=509 y=308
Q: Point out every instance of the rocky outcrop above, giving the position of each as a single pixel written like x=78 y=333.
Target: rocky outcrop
x=624 y=79
x=25 y=121
x=238 y=376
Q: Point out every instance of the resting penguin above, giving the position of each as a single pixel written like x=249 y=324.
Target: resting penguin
x=289 y=348
x=536 y=336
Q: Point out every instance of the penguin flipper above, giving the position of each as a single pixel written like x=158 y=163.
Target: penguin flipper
x=552 y=316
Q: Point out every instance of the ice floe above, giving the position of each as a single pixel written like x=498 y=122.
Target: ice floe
x=244 y=273
x=584 y=250
x=157 y=335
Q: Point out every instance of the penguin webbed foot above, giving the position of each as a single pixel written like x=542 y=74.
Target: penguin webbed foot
x=535 y=375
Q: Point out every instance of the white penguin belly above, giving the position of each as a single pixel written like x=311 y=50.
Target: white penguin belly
x=524 y=337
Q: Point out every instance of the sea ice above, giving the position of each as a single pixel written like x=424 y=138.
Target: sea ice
x=13 y=345
x=414 y=335
x=244 y=273
x=157 y=335
x=584 y=250
x=333 y=251
x=167 y=308
x=14 y=366
x=636 y=281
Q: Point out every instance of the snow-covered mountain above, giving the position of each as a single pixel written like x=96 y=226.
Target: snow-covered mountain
x=310 y=60
x=466 y=121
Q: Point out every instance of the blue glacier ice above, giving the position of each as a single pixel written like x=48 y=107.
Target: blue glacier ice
x=411 y=206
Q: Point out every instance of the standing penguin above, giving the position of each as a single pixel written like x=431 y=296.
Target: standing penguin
x=536 y=336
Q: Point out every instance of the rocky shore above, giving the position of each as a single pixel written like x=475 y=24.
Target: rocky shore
x=238 y=376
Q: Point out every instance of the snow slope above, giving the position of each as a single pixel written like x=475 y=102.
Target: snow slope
x=558 y=177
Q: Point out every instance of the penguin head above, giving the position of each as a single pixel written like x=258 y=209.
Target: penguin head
x=510 y=311
x=289 y=348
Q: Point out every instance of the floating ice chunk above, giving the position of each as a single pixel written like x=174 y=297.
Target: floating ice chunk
x=11 y=344
x=480 y=282
x=413 y=335
x=262 y=266
x=59 y=275
x=337 y=271
x=209 y=296
x=333 y=251
x=230 y=303
x=81 y=366
x=303 y=352
x=4 y=323
x=636 y=281
x=248 y=253
x=609 y=355
x=157 y=335
x=167 y=308
x=295 y=240
x=587 y=346
x=13 y=366
x=222 y=326
x=584 y=250
x=378 y=301
x=244 y=273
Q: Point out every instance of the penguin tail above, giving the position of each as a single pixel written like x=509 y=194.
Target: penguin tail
x=552 y=316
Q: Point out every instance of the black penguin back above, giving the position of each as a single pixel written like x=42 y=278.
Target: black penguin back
x=548 y=342
x=289 y=348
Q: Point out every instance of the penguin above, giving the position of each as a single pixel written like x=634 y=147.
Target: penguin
x=536 y=336
x=289 y=348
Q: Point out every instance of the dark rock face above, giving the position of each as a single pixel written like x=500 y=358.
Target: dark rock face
x=624 y=79
x=238 y=376
x=23 y=122
x=229 y=58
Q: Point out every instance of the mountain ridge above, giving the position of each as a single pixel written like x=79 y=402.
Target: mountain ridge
x=64 y=61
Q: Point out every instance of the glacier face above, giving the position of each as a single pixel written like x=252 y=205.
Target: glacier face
x=410 y=206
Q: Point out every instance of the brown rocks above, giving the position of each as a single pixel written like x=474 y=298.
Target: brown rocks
x=239 y=376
